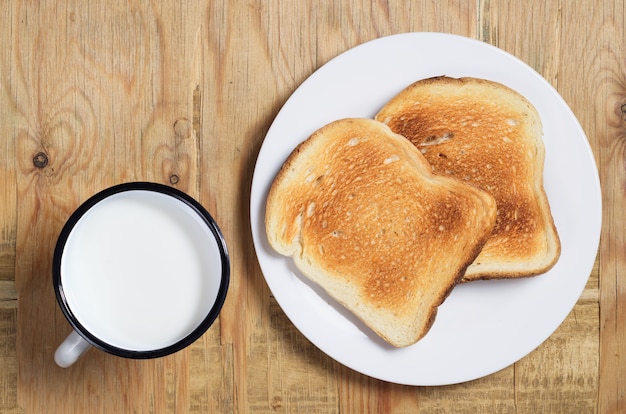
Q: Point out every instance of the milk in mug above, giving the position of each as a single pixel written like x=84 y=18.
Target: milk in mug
x=140 y=270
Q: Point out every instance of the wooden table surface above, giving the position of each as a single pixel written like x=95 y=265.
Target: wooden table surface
x=97 y=93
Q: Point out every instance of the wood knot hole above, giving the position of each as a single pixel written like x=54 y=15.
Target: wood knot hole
x=174 y=179
x=40 y=160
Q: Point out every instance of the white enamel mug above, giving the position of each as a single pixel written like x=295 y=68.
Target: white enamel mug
x=140 y=270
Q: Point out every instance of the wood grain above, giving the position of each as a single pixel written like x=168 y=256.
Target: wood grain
x=97 y=93
x=8 y=235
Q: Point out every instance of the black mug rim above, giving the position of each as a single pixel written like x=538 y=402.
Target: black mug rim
x=206 y=323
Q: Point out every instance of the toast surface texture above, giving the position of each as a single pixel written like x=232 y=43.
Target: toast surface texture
x=362 y=215
x=486 y=134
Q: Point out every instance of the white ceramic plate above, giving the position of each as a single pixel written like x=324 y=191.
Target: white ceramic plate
x=483 y=326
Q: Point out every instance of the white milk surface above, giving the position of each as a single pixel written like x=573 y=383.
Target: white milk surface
x=141 y=270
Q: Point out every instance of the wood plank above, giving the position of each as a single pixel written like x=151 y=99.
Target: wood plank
x=609 y=84
x=538 y=375
x=106 y=103
x=8 y=185
x=8 y=228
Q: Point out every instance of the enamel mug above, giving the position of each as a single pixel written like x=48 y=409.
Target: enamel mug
x=140 y=270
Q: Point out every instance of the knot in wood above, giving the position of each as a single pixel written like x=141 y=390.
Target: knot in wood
x=174 y=179
x=182 y=128
x=40 y=160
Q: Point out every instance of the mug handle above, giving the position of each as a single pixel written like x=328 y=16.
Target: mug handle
x=70 y=350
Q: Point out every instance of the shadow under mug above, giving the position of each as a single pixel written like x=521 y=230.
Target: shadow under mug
x=140 y=270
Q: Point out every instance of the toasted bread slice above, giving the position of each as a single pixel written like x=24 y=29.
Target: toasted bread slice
x=484 y=133
x=360 y=211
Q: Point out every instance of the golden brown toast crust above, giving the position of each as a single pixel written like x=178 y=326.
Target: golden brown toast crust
x=486 y=134
x=360 y=211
